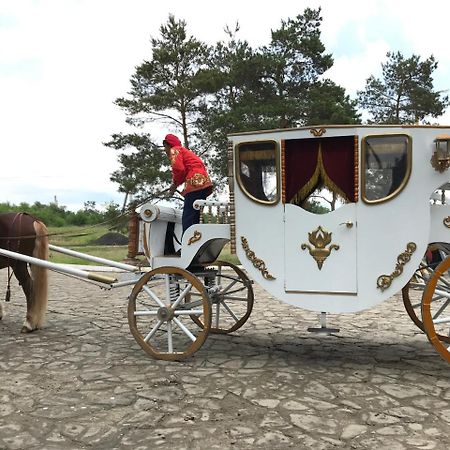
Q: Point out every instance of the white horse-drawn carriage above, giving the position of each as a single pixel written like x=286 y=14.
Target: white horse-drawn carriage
x=384 y=232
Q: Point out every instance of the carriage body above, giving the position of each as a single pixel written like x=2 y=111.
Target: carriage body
x=359 y=254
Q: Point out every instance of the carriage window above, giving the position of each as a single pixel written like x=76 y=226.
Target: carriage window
x=257 y=170
x=386 y=166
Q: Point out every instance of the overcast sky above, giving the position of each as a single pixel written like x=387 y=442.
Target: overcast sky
x=64 y=62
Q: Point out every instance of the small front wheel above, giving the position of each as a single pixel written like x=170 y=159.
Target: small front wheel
x=159 y=313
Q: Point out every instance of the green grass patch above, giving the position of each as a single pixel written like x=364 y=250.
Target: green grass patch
x=75 y=236
x=80 y=239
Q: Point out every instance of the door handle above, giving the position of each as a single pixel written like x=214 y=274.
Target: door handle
x=348 y=224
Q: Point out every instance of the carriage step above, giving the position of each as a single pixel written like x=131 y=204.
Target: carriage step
x=323 y=329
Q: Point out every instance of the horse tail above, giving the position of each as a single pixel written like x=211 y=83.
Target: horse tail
x=39 y=274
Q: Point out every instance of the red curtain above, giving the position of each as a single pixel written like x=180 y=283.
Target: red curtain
x=312 y=162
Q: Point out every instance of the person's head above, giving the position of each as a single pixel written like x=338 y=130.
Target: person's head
x=171 y=141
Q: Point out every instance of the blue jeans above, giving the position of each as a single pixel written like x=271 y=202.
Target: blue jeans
x=191 y=215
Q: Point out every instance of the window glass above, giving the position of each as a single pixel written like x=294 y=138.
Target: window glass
x=257 y=170
x=386 y=166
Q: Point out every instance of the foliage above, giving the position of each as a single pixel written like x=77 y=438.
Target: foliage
x=209 y=92
x=57 y=216
x=275 y=86
x=404 y=94
x=168 y=89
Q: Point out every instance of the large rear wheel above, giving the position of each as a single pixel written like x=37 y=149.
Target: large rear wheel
x=412 y=293
x=231 y=295
x=436 y=309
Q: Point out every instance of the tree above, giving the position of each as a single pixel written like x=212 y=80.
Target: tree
x=167 y=88
x=404 y=94
x=274 y=86
x=210 y=92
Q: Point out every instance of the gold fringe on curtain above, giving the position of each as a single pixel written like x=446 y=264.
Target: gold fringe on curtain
x=319 y=173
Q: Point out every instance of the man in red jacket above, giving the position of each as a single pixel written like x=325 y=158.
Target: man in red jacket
x=189 y=169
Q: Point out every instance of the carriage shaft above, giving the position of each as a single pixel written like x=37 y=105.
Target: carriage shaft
x=61 y=268
x=117 y=265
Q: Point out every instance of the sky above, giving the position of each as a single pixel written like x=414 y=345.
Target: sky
x=64 y=62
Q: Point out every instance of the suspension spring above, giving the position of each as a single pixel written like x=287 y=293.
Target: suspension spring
x=174 y=288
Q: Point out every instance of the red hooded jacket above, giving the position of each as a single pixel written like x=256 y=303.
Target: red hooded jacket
x=187 y=167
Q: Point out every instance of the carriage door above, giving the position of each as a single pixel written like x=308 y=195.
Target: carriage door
x=320 y=190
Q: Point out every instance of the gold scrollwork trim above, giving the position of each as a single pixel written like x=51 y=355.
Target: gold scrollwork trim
x=257 y=263
x=446 y=221
x=195 y=237
x=384 y=281
x=317 y=132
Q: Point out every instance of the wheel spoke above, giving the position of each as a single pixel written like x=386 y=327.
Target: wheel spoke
x=441 y=309
x=169 y=337
x=188 y=312
x=229 y=286
x=182 y=296
x=217 y=314
x=442 y=320
x=241 y=289
x=153 y=331
x=441 y=294
x=145 y=313
x=230 y=312
x=153 y=296
x=185 y=330
x=239 y=299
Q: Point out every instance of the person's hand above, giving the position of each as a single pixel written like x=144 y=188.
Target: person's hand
x=172 y=189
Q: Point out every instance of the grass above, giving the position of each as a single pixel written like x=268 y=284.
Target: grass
x=80 y=239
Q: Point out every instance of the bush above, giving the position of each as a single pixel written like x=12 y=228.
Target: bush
x=54 y=215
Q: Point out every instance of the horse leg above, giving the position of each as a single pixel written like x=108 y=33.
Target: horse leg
x=24 y=279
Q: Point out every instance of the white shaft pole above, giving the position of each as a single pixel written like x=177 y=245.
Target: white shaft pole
x=118 y=265
x=59 y=267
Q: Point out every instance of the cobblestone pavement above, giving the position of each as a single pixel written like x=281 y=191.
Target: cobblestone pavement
x=83 y=382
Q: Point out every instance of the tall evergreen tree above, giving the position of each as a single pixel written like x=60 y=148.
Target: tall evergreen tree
x=404 y=94
x=275 y=86
x=207 y=93
x=166 y=89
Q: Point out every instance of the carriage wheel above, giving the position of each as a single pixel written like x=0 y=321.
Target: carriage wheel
x=418 y=283
x=159 y=313
x=231 y=294
x=436 y=309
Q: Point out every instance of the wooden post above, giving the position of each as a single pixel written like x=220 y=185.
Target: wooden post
x=133 y=225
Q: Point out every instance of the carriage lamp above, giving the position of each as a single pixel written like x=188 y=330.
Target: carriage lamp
x=441 y=155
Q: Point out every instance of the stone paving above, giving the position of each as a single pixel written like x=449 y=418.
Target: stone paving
x=83 y=382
